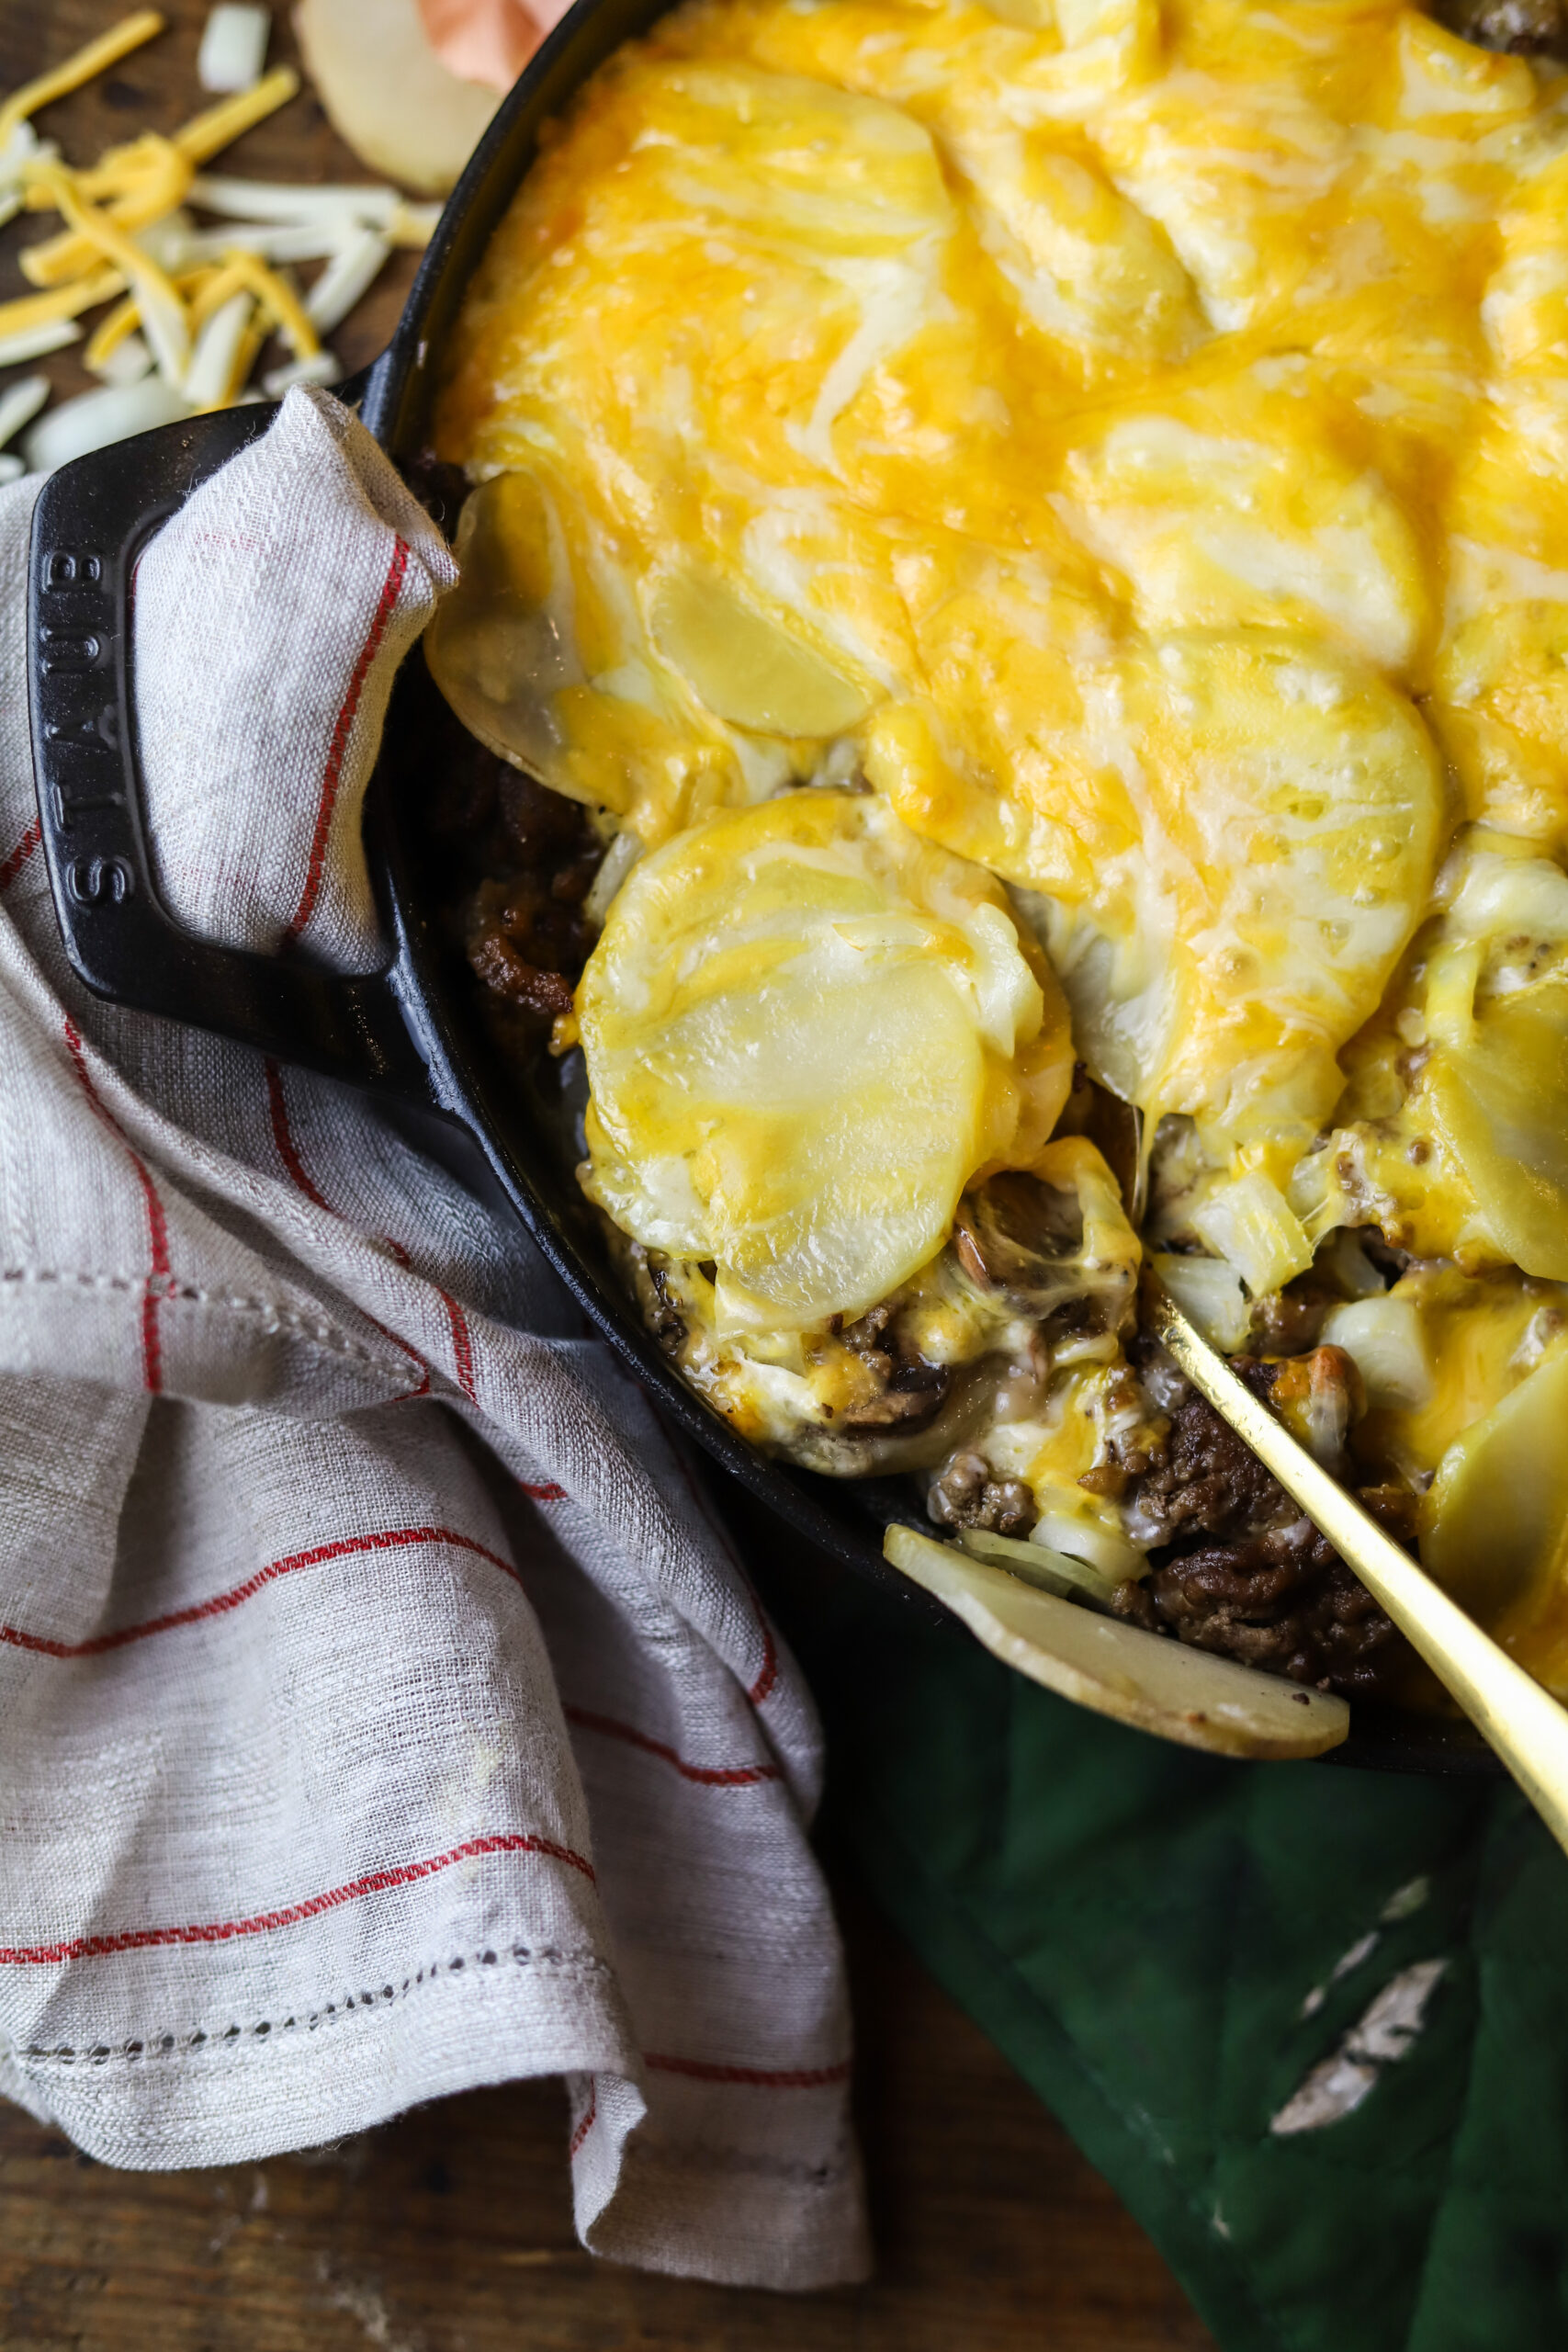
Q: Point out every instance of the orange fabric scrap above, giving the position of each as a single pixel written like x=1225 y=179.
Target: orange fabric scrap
x=488 y=40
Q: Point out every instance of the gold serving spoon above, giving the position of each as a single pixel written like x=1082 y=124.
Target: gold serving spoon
x=1521 y=1722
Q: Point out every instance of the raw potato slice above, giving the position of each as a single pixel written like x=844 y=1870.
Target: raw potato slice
x=1145 y=1679
x=805 y=1030
x=1497 y=1517
x=388 y=93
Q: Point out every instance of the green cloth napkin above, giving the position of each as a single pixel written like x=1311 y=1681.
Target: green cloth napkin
x=1167 y=1946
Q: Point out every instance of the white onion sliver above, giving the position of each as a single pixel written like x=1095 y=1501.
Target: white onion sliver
x=275 y=240
x=126 y=363
x=167 y=241
x=94 y=419
x=1089 y=1540
x=20 y=403
x=212 y=361
x=322 y=367
x=22 y=148
x=345 y=279
x=168 y=337
x=264 y=201
x=619 y=859
x=233 y=45
x=11 y=466
x=32 y=342
x=416 y=224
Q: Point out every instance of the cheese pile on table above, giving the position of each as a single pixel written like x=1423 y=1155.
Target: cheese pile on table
x=190 y=309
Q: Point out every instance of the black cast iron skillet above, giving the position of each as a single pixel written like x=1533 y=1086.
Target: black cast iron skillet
x=409 y=1033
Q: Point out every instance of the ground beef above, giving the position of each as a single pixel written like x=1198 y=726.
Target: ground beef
x=1242 y=1572
x=526 y=857
x=1525 y=28
x=965 y=1495
x=910 y=1397
x=1287 y=1322
x=1206 y=1481
x=1284 y=1601
x=496 y=962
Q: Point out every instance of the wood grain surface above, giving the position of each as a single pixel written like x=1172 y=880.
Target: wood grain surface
x=450 y=2231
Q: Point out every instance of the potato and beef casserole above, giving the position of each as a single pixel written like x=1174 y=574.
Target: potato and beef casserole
x=1015 y=567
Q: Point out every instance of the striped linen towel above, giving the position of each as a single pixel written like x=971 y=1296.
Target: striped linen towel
x=382 y=1709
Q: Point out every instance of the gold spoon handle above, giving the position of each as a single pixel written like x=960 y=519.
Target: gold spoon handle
x=1523 y=1723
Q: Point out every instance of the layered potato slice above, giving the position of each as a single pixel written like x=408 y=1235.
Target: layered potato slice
x=1229 y=845
x=663 y=343
x=806 y=1031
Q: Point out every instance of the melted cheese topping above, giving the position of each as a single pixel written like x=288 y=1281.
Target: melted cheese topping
x=1095 y=424
x=806 y=1032
x=814 y=1394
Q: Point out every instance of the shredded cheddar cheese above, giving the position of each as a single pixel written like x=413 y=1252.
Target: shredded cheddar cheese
x=82 y=67
x=195 y=306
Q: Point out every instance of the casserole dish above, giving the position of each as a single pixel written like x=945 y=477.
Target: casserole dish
x=408 y=1032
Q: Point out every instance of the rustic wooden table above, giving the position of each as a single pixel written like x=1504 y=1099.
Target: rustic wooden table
x=449 y=2230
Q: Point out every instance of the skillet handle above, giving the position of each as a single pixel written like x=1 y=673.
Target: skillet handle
x=92 y=520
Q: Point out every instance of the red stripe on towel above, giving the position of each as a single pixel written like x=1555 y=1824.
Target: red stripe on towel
x=462 y=1346
x=222 y=1931
x=11 y=866
x=157 y=1225
x=299 y=1177
x=388 y=1540
x=337 y=749
x=283 y=1136
x=707 y=1776
x=762 y=2078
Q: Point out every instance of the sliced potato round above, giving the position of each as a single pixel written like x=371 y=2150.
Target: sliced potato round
x=804 y=1031
x=1303 y=800
x=1224 y=930
x=745 y=667
x=502 y=644
x=1145 y=1679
